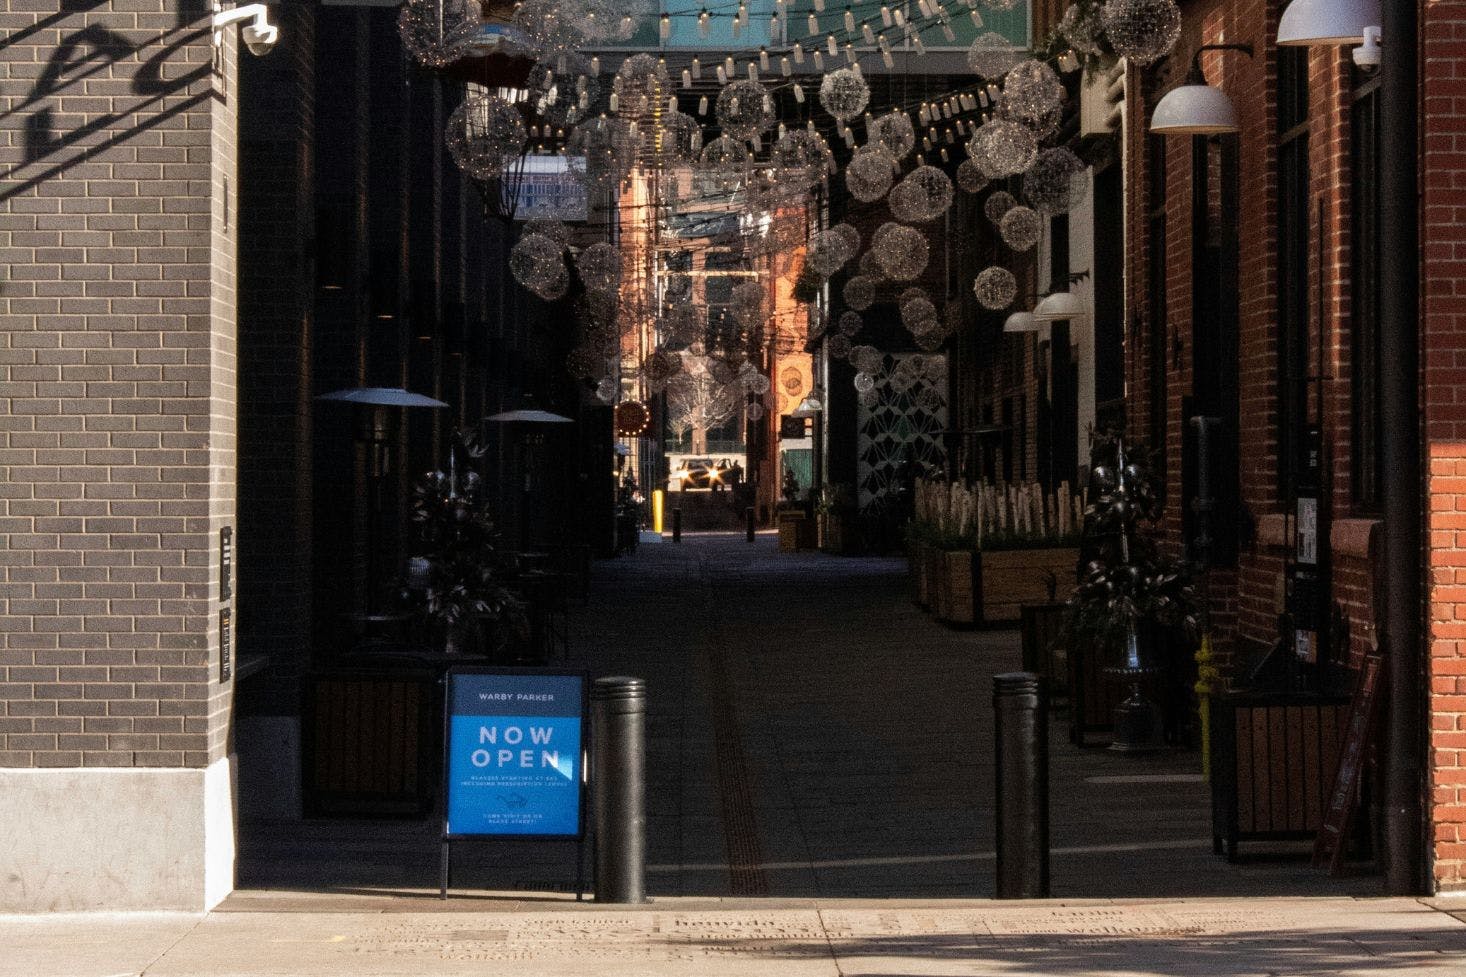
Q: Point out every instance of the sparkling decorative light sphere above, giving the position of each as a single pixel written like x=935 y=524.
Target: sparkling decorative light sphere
x=895 y=133
x=1142 y=31
x=1050 y=186
x=1083 y=27
x=902 y=251
x=868 y=175
x=484 y=133
x=723 y=162
x=867 y=359
x=561 y=88
x=1002 y=147
x=919 y=315
x=995 y=288
x=436 y=32
x=844 y=94
x=851 y=237
x=970 y=176
x=601 y=152
x=838 y=346
x=864 y=382
x=1020 y=228
x=1032 y=91
x=607 y=390
x=800 y=159
x=745 y=109
x=536 y=261
x=849 y=323
x=870 y=266
x=859 y=292
x=998 y=203
x=924 y=195
x=600 y=267
x=991 y=56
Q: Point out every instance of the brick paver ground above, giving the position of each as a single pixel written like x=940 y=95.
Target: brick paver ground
x=814 y=734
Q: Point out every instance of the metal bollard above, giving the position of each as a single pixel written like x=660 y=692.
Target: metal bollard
x=677 y=524
x=618 y=779
x=1021 y=733
x=749 y=521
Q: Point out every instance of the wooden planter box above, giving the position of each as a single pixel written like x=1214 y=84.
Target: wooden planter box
x=933 y=566
x=957 y=601
x=1043 y=652
x=796 y=531
x=1273 y=764
x=1008 y=579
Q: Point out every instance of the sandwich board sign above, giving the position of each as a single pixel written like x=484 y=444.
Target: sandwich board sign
x=514 y=756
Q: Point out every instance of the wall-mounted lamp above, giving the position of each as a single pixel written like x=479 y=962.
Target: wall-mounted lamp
x=1057 y=306
x=1196 y=108
x=1334 y=23
x=1021 y=322
x=259 y=35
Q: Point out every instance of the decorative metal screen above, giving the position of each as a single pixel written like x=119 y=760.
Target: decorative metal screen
x=902 y=418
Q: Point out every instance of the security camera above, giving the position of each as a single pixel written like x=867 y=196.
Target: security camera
x=259 y=35
x=260 y=40
x=1367 y=55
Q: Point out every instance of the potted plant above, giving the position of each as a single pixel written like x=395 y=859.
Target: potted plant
x=1134 y=604
x=458 y=578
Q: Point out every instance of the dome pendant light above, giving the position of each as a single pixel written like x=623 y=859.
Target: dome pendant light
x=1196 y=108
x=1339 y=23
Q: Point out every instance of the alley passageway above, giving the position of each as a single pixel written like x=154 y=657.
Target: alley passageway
x=812 y=734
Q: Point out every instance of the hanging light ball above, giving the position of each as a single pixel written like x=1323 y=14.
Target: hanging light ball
x=600 y=267
x=870 y=267
x=867 y=359
x=895 y=133
x=556 y=287
x=800 y=159
x=641 y=83
x=584 y=362
x=998 y=203
x=483 y=134
x=851 y=237
x=561 y=88
x=924 y=195
x=1032 y=92
x=869 y=173
x=723 y=162
x=859 y=292
x=838 y=346
x=849 y=323
x=995 y=288
x=911 y=295
x=555 y=230
x=755 y=411
x=844 y=94
x=1002 y=147
x=676 y=139
x=1083 y=27
x=919 y=315
x=1020 y=228
x=436 y=32
x=747 y=303
x=536 y=260
x=1050 y=186
x=1142 y=31
x=864 y=382
x=991 y=56
x=826 y=254
x=902 y=251
x=607 y=390
x=745 y=110
x=602 y=151
x=970 y=176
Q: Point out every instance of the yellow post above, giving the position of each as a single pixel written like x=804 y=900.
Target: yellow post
x=657 y=502
x=1206 y=684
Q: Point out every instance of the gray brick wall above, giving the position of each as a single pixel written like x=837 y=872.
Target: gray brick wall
x=118 y=223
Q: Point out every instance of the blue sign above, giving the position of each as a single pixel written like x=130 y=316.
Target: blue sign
x=514 y=746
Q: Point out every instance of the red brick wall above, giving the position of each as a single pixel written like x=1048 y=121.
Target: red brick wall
x=1443 y=349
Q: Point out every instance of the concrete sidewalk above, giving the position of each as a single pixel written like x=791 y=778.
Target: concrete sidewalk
x=767 y=938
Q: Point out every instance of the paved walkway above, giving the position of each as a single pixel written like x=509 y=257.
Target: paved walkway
x=815 y=741
x=813 y=734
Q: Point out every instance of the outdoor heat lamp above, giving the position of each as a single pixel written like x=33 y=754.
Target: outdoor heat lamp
x=1196 y=108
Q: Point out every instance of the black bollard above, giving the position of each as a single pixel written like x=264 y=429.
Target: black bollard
x=1021 y=732
x=677 y=524
x=749 y=521
x=618 y=780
